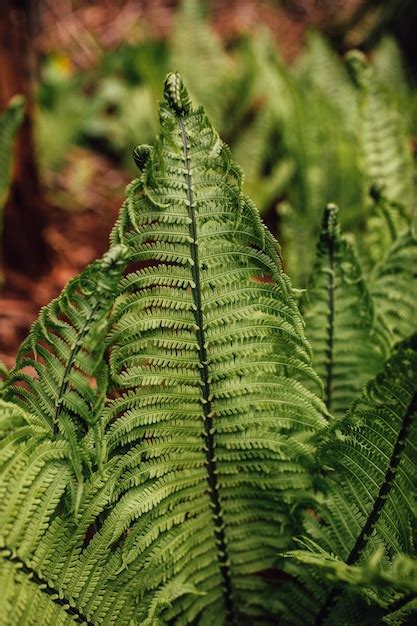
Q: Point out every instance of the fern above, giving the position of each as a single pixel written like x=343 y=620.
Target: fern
x=162 y=436
x=401 y=574
x=60 y=378
x=166 y=505
x=3 y=376
x=385 y=154
x=348 y=342
x=394 y=286
x=193 y=38
x=388 y=62
x=387 y=220
x=211 y=327
x=369 y=502
x=321 y=67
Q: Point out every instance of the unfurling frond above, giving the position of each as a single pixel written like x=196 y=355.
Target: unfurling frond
x=369 y=503
x=348 y=341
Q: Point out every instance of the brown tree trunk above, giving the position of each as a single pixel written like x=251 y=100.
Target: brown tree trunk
x=24 y=247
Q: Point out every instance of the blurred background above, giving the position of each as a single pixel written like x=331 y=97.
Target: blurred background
x=273 y=80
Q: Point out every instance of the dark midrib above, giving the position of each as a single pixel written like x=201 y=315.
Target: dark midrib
x=65 y=378
x=330 y=325
x=222 y=553
x=45 y=588
x=379 y=503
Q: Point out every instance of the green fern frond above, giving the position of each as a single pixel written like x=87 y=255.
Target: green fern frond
x=324 y=69
x=394 y=286
x=400 y=576
x=195 y=44
x=385 y=150
x=389 y=63
x=252 y=151
x=208 y=350
x=349 y=343
x=60 y=377
x=190 y=473
x=369 y=504
x=386 y=222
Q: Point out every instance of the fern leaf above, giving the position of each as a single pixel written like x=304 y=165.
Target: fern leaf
x=400 y=576
x=369 y=503
x=385 y=151
x=324 y=69
x=193 y=38
x=386 y=222
x=394 y=286
x=59 y=377
x=389 y=63
x=347 y=339
x=209 y=353
x=204 y=440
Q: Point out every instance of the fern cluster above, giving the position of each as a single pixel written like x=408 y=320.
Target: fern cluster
x=182 y=444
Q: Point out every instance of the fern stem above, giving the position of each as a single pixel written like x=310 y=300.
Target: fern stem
x=330 y=325
x=42 y=584
x=379 y=503
x=222 y=552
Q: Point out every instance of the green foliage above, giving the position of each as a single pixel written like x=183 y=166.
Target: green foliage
x=388 y=62
x=60 y=376
x=3 y=376
x=384 y=150
x=401 y=574
x=304 y=135
x=163 y=441
x=394 y=286
x=177 y=493
x=194 y=44
x=368 y=504
x=348 y=341
x=10 y=121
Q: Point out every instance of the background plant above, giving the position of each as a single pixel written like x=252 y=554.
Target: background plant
x=282 y=120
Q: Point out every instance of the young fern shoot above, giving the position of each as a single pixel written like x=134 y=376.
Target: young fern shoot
x=349 y=341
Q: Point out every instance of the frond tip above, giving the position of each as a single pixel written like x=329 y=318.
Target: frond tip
x=176 y=95
x=330 y=223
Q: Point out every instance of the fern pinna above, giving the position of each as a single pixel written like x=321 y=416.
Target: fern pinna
x=170 y=503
